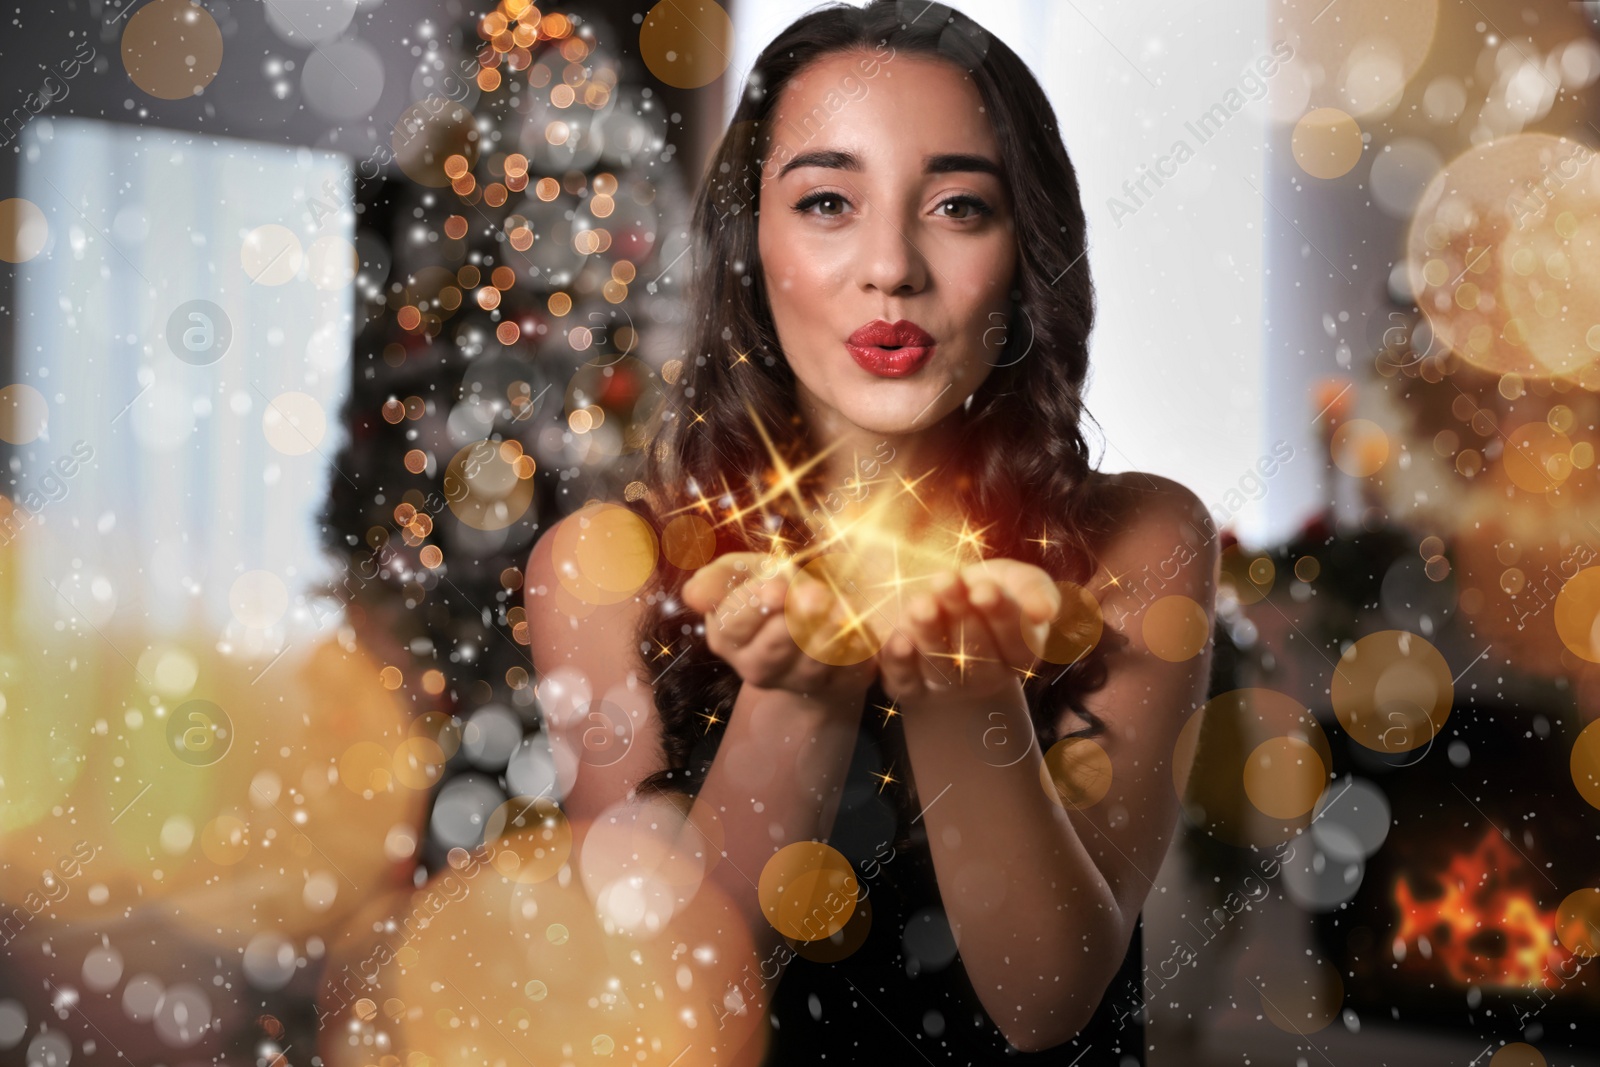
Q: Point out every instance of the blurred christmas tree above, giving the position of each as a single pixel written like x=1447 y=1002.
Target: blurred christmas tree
x=520 y=300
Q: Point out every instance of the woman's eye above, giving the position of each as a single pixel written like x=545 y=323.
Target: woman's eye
x=832 y=204
x=965 y=207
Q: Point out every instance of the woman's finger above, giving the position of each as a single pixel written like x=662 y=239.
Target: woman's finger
x=962 y=627
x=950 y=592
x=806 y=610
x=1004 y=618
x=963 y=623
x=1035 y=592
x=741 y=614
x=926 y=625
x=770 y=655
x=897 y=662
x=794 y=609
x=976 y=643
x=712 y=583
x=707 y=586
x=808 y=602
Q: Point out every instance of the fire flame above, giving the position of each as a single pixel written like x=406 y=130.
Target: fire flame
x=1482 y=930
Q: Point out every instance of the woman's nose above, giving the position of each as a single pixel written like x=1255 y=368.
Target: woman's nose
x=891 y=262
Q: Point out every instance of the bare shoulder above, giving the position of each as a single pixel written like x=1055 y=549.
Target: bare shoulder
x=540 y=570
x=556 y=615
x=598 y=711
x=1129 y=494
x=539 y=584
x=549 y=626
x=1149 y=519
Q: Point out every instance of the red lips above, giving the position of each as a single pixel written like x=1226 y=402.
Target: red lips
x=890 y=350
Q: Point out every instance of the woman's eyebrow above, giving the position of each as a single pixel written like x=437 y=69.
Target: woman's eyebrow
x=823 y=158
x=942 y=163
x=960 y=162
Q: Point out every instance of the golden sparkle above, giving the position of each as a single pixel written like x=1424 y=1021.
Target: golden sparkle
x=908 y=486
x=970 y=540
x=1043 y=540
x=888 y=533
x=961 y=657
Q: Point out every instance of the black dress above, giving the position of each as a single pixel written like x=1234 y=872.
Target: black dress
x=903 y=996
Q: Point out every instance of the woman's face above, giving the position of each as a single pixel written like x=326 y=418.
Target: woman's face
x=882 y=202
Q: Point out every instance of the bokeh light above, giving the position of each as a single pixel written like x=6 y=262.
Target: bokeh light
x=1577 y=614
x=604 y=553
x=1358 y=60
x=1578 y=922
x=688 y=542
x=1075 y=630
x=271 y=254
x=1360 y=447
x=1284 y=776
x=477 y=968
x=1518 y=1054
x=294 y=423
x=1175 y=628
x=430 y=134
x=1076 y=772
x=172 y=49
x=686 y=43
x=1504 y=276
x=489 y=484
x=1247 y=745
x=844 y=631
x=808 y=890
x=24 y=230
x=1392 y=691
x=1585 y=763
x=24 y=414
x=1326 y=143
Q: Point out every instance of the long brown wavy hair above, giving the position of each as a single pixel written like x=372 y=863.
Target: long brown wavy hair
x=1024 y=459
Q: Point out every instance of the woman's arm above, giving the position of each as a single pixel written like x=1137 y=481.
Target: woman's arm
x=777 y=778
x=1042 y=899
x=778 y=774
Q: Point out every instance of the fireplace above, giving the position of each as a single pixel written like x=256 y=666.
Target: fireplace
x=1455 y=923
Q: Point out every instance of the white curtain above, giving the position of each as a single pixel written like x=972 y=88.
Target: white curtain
x=184 y=491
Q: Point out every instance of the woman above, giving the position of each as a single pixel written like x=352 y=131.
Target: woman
x=888 y=352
